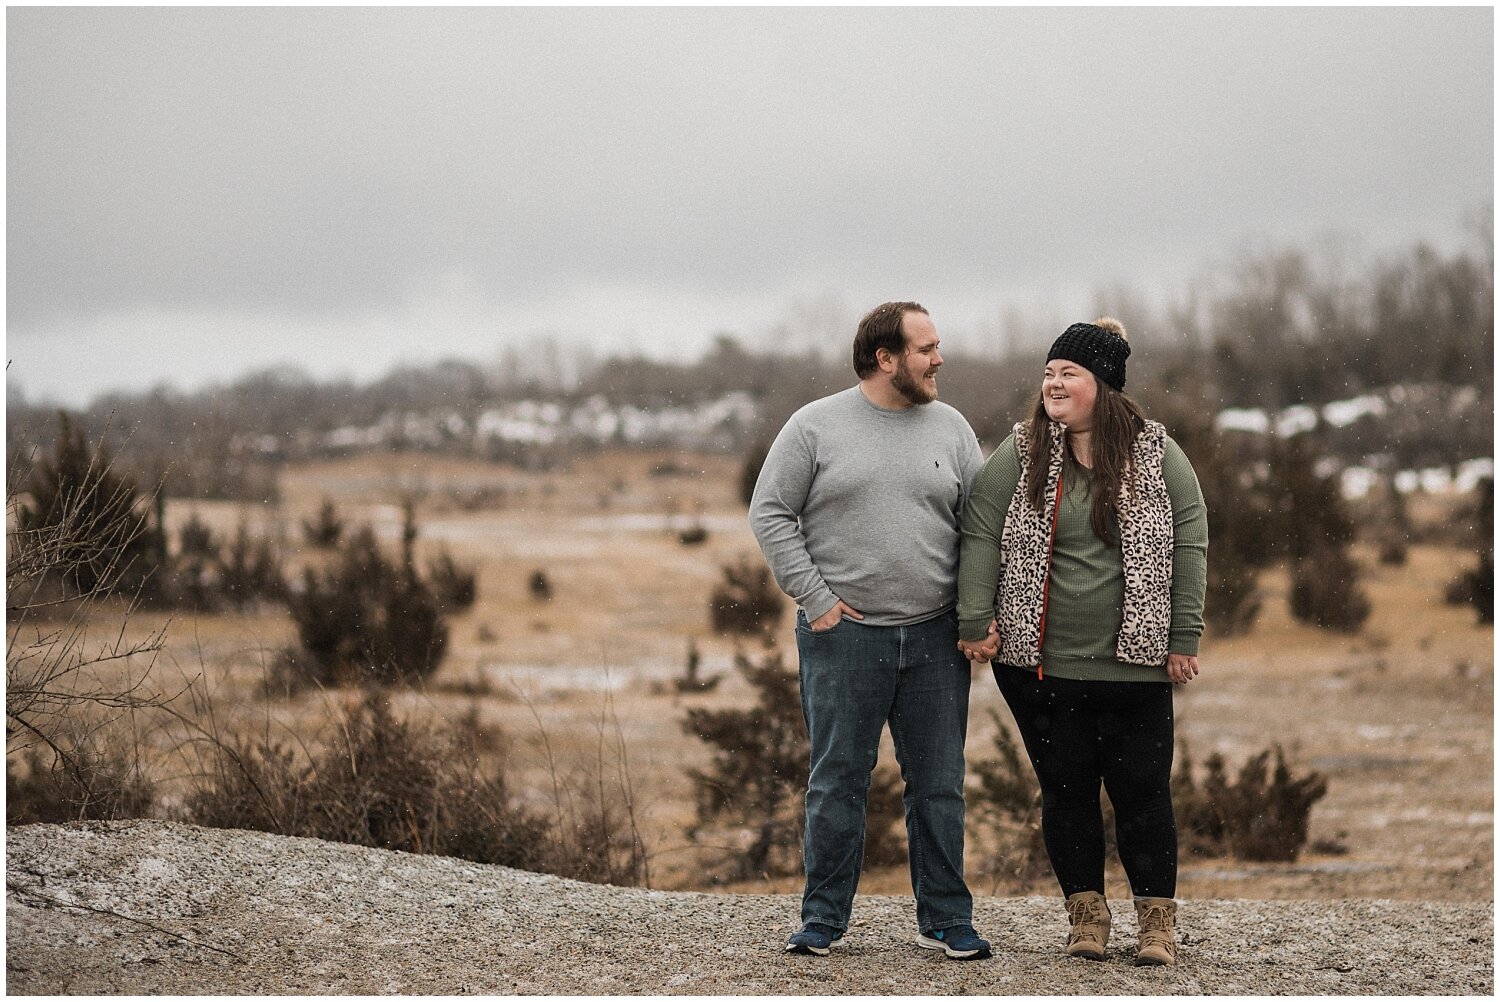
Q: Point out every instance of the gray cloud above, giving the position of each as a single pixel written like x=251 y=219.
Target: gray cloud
x=342 y=170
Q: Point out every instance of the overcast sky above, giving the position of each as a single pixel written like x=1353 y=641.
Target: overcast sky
x=195 y=193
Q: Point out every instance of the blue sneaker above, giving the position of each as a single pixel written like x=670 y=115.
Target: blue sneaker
x=815 y=939
x=960 y=942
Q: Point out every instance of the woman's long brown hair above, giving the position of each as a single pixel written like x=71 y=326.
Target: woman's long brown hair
x=1117 y=421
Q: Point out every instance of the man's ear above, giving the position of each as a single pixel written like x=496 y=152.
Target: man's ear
x=886 y=360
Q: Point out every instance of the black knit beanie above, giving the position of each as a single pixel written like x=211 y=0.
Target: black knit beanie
x=1100 y=351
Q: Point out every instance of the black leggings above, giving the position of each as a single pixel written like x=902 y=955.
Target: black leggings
x=1079 y=733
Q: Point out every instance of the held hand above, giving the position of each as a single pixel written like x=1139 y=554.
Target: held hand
x=982 y=651
x=1182 y=668
x=831 y=618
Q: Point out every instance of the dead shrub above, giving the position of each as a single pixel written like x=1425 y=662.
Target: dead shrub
x=95 y=781
x=1262 y=815
x=595 y=840
x=378 y=781
x=594 y=835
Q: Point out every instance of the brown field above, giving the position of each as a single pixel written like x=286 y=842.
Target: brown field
x=1399 y=718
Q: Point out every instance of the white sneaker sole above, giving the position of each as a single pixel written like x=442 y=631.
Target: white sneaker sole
x=812 y=951
x=928 y=943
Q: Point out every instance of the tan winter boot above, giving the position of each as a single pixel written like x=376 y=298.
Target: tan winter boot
x=1089 y=913
x=1156 y=918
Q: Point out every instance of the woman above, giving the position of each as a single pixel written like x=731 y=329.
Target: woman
x=1081 y=578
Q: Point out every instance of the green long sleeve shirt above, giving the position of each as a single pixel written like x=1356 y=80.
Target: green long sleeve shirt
x=1086 y=588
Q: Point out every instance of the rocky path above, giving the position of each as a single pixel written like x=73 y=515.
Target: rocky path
x=148 y=907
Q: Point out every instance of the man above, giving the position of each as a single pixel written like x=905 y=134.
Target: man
x=857 y=510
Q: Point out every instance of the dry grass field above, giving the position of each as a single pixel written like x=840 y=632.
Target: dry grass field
x=1399 y=717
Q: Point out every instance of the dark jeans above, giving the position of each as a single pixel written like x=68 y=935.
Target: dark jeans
x=856 y=679
x=1078 y=734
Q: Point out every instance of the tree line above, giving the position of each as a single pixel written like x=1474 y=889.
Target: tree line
x=1268 y=329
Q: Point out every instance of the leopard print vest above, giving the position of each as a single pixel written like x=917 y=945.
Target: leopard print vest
x=1145 y=546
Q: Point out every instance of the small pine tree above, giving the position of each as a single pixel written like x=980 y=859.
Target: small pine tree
x=193 y=574
x=324 y=532
x=746 y=601
x=1237 y=518
x=1476 y=586
x=368 y=620
x=1398 y=528
x=196 y=539
x=539 y=585
x=1313 y=512
x=89 y=517
x=757 y=777
x=759 y=765
x=1318 y=529
x=456 y=587
x=1325 y=592
x=1007 y=802
x=690 y=681
x=251 y=571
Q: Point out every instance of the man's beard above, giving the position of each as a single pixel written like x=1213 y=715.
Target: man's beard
x=910 y=388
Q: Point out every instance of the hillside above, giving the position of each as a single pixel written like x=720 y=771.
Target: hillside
x=148 y=907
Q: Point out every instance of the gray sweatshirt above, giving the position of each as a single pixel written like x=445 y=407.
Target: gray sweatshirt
x=861 y=503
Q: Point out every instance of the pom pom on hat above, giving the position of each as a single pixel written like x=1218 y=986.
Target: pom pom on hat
x=1112 y=325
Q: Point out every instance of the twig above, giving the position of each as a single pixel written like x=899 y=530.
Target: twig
x=15 y=888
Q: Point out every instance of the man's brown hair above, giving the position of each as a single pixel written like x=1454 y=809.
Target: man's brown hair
x=881 y=328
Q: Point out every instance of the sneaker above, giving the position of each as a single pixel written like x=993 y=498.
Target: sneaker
x=815 y=939
x=960 y=942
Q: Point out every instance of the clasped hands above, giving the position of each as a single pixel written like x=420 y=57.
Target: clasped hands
x=982 y=651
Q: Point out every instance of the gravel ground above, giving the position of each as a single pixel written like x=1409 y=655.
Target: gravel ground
x=148 y=907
